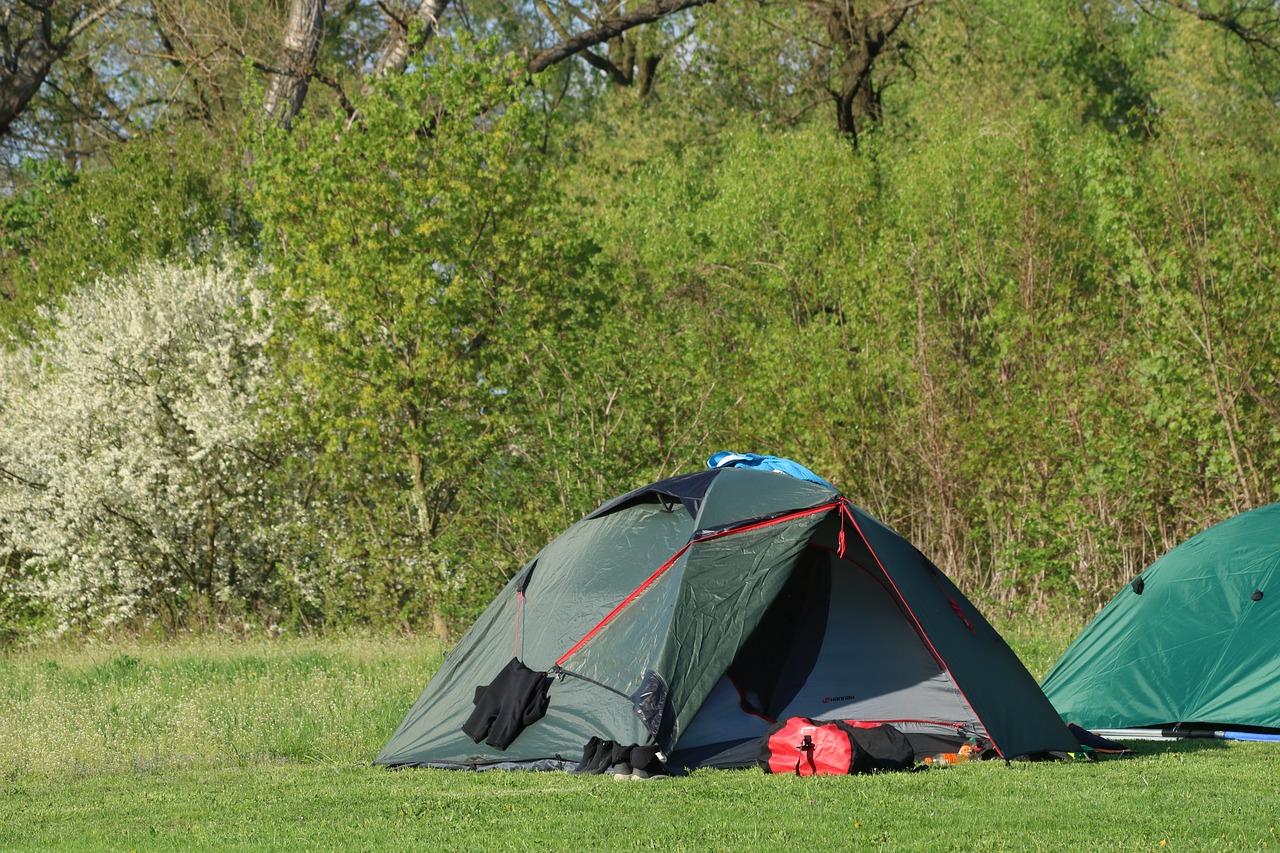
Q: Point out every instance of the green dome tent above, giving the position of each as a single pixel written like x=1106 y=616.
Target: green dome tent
x=690 y=614
x=1192 y=642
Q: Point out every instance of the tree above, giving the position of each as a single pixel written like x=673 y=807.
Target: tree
x=608 y=23
x=782 y=62
x=289 y=81
x=416 y=261
x=861 y=41
x=34 y=35
x=409 y=36
x=115 y=71
x=1255 y=22
x=36 y=41
x=134 y=468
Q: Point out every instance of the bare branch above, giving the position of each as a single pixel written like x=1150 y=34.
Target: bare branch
x=608 y=29
x=1232 y=19
x=95 y=15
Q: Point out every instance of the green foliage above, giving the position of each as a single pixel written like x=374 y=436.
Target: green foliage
x=946 y=326
x=21 y=614
x=1029 y=322
x=158 y=200
x=1207 y=320
x=20 y=214
x=419 y=267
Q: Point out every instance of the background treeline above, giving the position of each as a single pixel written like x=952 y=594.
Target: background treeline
x=335 y=314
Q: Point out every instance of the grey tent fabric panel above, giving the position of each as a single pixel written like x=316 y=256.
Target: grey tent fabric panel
x=577 y=708
x=739 y=494
x=623 y=653
x=481 y=654
x=873 y=665
x=1017 y=716
x=722 y=719
x=591 y=569
x=564 y=600
x=730 y=582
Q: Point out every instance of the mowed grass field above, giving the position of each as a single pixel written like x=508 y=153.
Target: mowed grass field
x=267 y=745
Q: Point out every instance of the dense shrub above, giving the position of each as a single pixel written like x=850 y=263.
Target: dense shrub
x=157 y=200
x=135 y=466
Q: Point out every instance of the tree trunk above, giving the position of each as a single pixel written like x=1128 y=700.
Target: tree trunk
x=861 y=37
x=396 y=56
x=31 y=67
x=30 y=47
x=287 y=88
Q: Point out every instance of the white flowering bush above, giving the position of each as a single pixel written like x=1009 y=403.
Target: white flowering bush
x=135 y=473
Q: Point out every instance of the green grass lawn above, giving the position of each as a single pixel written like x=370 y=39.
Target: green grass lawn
x=263 y=745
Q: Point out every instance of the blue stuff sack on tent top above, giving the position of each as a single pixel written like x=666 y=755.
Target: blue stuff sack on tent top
x=727 y=459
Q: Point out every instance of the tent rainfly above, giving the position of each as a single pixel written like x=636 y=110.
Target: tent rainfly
x=1190 y=646
x=690 y=614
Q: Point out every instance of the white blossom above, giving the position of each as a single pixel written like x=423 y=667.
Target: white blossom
x=132 y=459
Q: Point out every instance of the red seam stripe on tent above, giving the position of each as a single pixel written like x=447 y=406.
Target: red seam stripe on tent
x=669 y=563
x=920 y=628
x=630 y=598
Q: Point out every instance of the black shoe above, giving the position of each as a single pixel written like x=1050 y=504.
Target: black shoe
x=597 y=755
x=652 y=770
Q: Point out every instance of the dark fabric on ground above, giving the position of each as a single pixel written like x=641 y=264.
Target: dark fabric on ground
x=886 y=748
